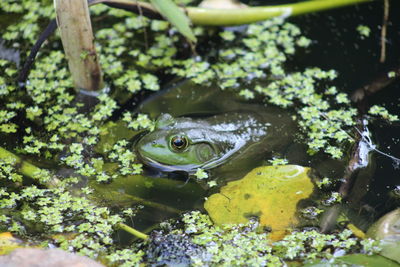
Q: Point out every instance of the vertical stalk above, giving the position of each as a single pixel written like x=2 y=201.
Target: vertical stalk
x=384 y=30
x=73 y=20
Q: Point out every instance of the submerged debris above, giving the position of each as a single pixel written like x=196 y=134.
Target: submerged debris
x=173 y=249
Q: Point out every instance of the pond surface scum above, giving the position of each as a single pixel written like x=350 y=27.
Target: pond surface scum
x=250 y=153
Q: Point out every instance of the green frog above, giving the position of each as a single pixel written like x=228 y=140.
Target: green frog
x=232 y=139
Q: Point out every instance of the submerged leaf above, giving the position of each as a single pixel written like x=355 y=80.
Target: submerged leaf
x=176 y=16
x=270 y=193
x=387 y=230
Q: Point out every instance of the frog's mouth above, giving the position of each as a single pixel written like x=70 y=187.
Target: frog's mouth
x=223 y=157
x=190 y=168
x=135 y=139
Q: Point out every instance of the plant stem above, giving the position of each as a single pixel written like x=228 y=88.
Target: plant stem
x=30 y=170
x=24 y=167
x=118 y=197
x=227 y=17
x=133 y=231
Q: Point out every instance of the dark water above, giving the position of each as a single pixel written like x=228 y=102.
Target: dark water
x=336 y=45
x=189 y=100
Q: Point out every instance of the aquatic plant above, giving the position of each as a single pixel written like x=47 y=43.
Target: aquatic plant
x=199 y=242
x=44 y=120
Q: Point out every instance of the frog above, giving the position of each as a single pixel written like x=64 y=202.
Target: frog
x=231 y=139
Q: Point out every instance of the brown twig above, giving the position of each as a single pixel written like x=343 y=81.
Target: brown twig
x=146 y=41
x=358 y=160
x=23 y=75
x=384 y=30
x=377 y=84
x=142 y=8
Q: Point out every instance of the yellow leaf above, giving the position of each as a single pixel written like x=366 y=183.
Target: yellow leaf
x=270 y=193
x=8 y=243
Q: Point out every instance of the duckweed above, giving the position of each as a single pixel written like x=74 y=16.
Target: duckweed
x=246 y=245
x=201 y=174
x=364 y=31
x=382 y=112
x=62 y=212
x=122 y=154
x=58 y=212
x=142 y=121
x=277 y=161
x=7 y=171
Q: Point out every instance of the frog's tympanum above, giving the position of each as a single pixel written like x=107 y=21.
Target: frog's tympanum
x=185 y=144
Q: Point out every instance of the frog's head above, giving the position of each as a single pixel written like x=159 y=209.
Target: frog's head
x=172 y=146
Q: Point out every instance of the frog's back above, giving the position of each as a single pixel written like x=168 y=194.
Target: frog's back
x=264 y=133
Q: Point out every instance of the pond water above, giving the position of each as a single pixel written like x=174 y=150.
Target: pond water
x=336 y=45
x=180 y=190
x=188 y=100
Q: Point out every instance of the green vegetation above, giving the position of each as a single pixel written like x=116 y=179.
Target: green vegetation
x=175 y=16
x=44 y=121
x=55 y=213
x=382 y=112
x=203 y=243
x=364 y=31
x=226 y=17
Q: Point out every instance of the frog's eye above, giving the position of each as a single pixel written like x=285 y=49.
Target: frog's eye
x=179 y=142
